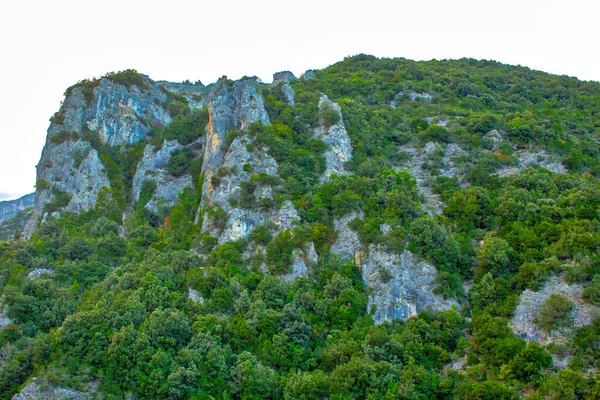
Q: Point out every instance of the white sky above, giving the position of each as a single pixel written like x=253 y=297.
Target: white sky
x=47 y=46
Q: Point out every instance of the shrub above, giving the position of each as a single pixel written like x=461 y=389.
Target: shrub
x=129 y=77
x=330 y=117
x=556 y=313
x=180 y=162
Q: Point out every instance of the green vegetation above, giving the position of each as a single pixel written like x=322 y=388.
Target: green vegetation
x=167 y=311
x=555 y=313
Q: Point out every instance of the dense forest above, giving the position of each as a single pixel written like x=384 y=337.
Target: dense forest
x=154 y=306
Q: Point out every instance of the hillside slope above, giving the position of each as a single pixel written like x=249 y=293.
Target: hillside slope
x=382 y=228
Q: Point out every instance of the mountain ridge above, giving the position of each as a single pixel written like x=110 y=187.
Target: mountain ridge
x=378 y=228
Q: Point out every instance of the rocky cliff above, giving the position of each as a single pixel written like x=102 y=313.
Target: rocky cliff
x=104 y=117
x=115 y=111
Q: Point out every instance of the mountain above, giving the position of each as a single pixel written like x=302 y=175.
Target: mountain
x=380 y=228
x=10 y=208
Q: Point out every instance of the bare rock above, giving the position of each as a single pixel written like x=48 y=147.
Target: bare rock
x=230 y=107
x=37 y=273
x=40 y=389
x=153 y=167
x=4 y=320
x=401 y=286
x=336 y=137
x=195 y=296
x=412 y=96
x=309 y=74
x=302 y=259
x=347 y=243
x=530 y=305
x=283 y=76
x=541 y=158
x=117 y=115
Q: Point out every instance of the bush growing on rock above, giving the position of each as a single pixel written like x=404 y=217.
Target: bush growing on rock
x=556 y=313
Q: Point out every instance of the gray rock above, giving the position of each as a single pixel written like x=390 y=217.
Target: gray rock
x=400 y=285
x=38 y=272
x=4 y=320
x=230 y=107
x=288 y=94
x=153 y=167
x=309 y=74
x=432 y=204
x=336 y=137
x=283 y=76
x=118 y=114
x=41 y=389
x=195 y=296
x=527 y=158
x=302 y=259
x=347 y=242
x=237 y=156
x=412 y=96
x=530 y=305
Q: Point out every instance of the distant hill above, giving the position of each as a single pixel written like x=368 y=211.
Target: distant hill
x=10 y=208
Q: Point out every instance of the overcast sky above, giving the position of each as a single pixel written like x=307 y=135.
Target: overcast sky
x=49 y=45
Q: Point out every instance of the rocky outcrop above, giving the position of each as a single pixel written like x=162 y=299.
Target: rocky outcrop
x=401 y=286
x=120 y=114
x=288 y=93
x=283 y=76
x=412 y=96
x=235 y=107
x=231 y=106
x=415 y=161
x=530 y=305
x=101 y=111
x=309 y=74
x=39 y=272
x=41 y=389
x=195 y=296
x=10 y=208
x=347 y=243
x=302 y=259
x=153 y=167
x=539 y=158
x=71 y=167
x=4 y=320
x=336 y=137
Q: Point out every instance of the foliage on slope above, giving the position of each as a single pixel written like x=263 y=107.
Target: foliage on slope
x=119 y=311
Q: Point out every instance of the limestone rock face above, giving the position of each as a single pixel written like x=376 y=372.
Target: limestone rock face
x=230 y=107
x=153 y=167
x=288 y=92
x=72 y=167
x=116 y=114
x=309 y=74
x=9 y=209
x=336 y=137
x=530 y=305
x=119 y=113
x=235 y=107
x=347 y=243
x=401 y=285
x=41 y=389
x=283 y=76
x=301 y=261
